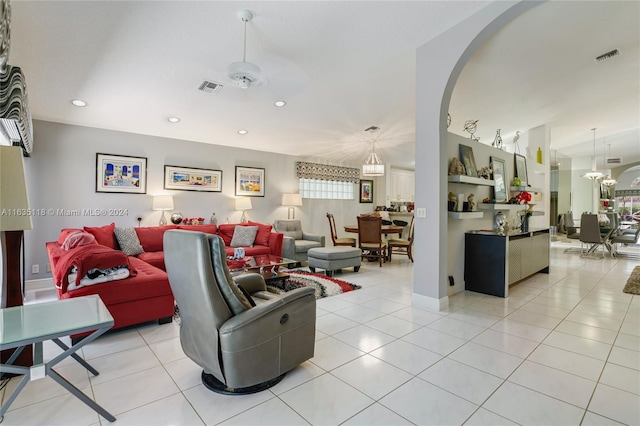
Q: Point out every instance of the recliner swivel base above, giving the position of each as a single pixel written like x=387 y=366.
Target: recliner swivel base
x=215 y=385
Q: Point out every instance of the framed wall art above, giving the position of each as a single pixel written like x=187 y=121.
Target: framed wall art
x=498 y=175
x=521 y=168
x=192 y=179
x=366 y=191
x=250 y=181
x=469 y=161
x=121 y=174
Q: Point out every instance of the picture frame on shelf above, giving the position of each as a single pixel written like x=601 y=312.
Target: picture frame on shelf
x=366 y=191
x=121 y=174
x=498 y=174
x=250 y=181
x=520 y=168
x=192 y=179
x=469 y=161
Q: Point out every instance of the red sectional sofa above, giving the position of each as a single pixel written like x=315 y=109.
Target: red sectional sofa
x=145 y=295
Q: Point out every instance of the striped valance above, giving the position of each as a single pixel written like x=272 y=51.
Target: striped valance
x=327 y=172
x=627 y=192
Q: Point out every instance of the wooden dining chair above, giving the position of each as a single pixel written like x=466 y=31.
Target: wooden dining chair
x=347 y=241
x=370 y=238
x=401 y=245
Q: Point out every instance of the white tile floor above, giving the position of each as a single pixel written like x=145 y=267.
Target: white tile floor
x=564 y=348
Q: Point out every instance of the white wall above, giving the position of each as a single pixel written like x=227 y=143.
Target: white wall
x=61 y=174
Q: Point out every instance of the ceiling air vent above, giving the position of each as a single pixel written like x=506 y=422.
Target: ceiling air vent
x=210 y=87
x=607 y=56
x=614 y=160
x=372 y=129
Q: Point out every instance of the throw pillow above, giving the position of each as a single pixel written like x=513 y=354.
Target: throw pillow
x=226 y=232
x=65 y=233
x=128 y=240
x=104 y=235
x=77 y=239
x=244 y=236
x=263 y=235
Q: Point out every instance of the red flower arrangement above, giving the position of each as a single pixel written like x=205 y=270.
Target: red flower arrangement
x=193 y=220
x=524 y=197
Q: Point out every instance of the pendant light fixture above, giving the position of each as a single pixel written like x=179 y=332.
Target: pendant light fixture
x=593 y=174
x=607 y=181
x=245 y=74
x=373 y=166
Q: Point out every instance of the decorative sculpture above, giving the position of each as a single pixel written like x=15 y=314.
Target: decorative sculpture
x=456 y=167
x=485 y=172
x=453 y=202
x=500 y=220
x=471 y=126
x=471 y=199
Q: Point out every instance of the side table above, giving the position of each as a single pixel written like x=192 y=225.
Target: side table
x=21 y=326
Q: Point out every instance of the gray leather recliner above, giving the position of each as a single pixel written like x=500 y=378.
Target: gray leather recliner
x=241 y=348
x=296 y=243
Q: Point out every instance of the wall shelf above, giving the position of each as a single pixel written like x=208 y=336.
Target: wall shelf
x=500 y=206
x=469 y=180
x=524 y=188
x=465 y=215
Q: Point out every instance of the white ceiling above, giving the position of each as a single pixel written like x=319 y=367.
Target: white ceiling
x=341 y=67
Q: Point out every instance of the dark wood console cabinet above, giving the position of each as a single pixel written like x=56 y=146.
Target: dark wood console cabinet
x=493 y=262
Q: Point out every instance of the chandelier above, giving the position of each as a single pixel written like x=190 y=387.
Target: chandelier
x=593 y=174
x=373 y=166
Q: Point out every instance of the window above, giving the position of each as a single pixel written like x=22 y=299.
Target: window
x=326 y=189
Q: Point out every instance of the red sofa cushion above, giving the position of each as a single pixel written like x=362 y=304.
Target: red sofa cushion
x=151 y=236
x=208 y=229
x=226 y=232
x=264 y=231
x=65 y=233
x=104 y=235
x=155 y=258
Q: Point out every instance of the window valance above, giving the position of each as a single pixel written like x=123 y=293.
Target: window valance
x=327 y=172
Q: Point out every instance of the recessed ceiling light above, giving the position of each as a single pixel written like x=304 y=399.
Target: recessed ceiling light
x=173 y=119
x=243 y=132
x=79 y=103
x=279 y=103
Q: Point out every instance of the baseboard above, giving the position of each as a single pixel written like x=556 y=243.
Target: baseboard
x=430 y=303
x=41 y=284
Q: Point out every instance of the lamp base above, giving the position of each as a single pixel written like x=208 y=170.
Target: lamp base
x=243 y=218
x=163 y=219
x=291 y=213
x=10 y=244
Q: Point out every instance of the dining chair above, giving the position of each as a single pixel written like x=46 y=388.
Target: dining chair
x=626 y=239
x=590 y=234
x=401 y=245
x=346 y=241
x=573 y=232
x=370 y=238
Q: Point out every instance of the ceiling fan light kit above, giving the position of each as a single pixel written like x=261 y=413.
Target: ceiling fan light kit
x=245 y=74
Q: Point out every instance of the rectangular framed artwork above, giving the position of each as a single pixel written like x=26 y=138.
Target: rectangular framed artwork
x=250 y=181
x=469 y=161
x=192 y=179
x=121 y=174
x=521 y=168
x=366 y=191
x=498 y=175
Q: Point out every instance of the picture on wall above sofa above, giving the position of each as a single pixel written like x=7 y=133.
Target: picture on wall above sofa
x=121 y=174
x=250 y=181
x=192 y=179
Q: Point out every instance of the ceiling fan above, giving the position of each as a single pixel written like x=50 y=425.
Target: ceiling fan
x=243 y=73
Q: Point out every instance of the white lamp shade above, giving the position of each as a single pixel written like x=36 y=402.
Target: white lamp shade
x=14 y=203
x=243 y=203
x=292 y=200
x=163 y=202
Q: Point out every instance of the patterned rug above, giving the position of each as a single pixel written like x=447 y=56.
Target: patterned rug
x=323 y=285
x=633 y=283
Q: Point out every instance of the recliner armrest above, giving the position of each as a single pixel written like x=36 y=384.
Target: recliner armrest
x=250 y=316
x=288 y=247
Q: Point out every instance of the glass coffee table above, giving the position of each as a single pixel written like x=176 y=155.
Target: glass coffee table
x=267 y=265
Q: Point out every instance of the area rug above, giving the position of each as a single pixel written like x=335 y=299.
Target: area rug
x=633 y=283
x=324 y=286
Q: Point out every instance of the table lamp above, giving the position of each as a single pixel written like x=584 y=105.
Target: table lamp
x=243 y=204
x=291 y=200
x=14 y=219
x=163 y=202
